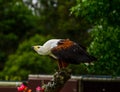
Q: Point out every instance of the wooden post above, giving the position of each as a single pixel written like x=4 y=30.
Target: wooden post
x=59 y=79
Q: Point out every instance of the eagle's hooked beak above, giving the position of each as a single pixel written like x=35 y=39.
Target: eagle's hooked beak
x=32 y=47
x=35 y=48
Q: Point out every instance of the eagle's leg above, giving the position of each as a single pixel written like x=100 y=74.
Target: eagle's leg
x=59 y=64
x=62 y=64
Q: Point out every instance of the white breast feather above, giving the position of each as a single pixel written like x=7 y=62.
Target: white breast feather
x=49 y=45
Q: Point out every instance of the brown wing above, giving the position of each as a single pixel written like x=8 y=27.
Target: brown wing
x=70 y=52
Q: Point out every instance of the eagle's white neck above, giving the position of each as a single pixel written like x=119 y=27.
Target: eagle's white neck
x=43 y=50
x=46 y=48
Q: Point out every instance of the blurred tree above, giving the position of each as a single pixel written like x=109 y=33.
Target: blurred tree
x=25 y=61
x=17 y=23
x=104 y=16
x=96 y=11
x=106 y=47
x=56 y=20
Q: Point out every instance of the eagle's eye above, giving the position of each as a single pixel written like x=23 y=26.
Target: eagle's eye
x=38 y=47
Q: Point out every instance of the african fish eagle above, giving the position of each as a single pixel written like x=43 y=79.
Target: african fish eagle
x=65 y=51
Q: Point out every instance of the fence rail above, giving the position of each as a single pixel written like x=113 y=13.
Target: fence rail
x=9 y=84
x=75 y=84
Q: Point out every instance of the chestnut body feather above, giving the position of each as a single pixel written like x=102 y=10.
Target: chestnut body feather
x=71 y=52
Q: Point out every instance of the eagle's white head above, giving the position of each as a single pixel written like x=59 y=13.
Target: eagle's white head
x=41 y=50
x=46 y=48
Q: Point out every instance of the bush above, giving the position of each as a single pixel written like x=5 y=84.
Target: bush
x=106 y=47
x=25 y=61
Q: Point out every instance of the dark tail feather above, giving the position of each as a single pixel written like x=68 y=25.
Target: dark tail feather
x=86 y=59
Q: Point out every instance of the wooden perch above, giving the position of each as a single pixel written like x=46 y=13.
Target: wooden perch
x=58 y=81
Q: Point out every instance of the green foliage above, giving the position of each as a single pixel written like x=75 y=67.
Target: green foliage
x=25 y=61
x=80 y=69
x=106 y=47
x=97 y=10
x=56 y=20
x=16 y=24
x=104 y=16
